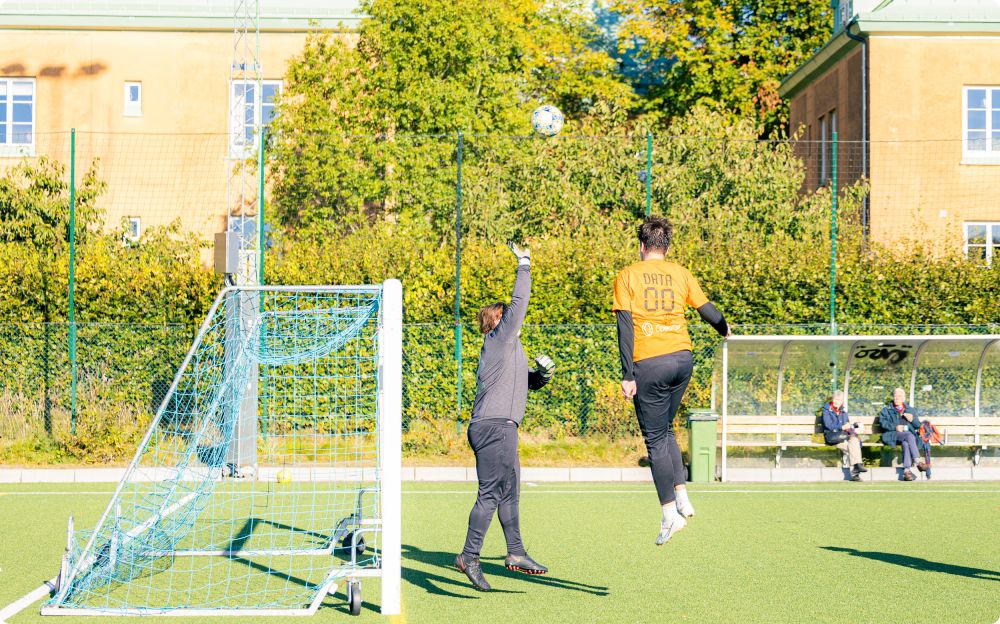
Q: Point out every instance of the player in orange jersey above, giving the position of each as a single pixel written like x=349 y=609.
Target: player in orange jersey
x=655 y=349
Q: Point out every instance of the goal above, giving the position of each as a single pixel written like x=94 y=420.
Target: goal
x=270 y=474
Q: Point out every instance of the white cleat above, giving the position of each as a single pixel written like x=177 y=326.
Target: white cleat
x=668 y=531
x=686 y=510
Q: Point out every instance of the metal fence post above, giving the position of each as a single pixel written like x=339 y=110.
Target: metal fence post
x=649 y=173
x=260 y=269
x=72 y=281
x=260 y=208
x=833 y=239
x=458 y=283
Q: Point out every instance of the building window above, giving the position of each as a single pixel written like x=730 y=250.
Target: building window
x=133 y=99
x=981 y=124
x=982 y=241
x=133 y=229
x=17 y=116
x=827 y=128
x=247 y=110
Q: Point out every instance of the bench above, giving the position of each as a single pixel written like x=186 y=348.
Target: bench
x=784 y=432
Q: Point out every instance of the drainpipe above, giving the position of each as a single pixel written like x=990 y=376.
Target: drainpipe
x=864 y=118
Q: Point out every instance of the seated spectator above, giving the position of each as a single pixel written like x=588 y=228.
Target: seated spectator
x=900 y=426
x=838 y=431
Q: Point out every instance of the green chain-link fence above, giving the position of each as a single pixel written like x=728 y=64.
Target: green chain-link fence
x=755 y=220
x=124 y=371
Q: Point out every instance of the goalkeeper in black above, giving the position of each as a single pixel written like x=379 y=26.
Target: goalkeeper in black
x=502 y=383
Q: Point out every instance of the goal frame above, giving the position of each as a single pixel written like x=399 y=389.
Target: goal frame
x=388 y=471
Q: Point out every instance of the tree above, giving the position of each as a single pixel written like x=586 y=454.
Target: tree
x=728 y=55
x=34 y=204
x=34 y=234
x=161 y=279
x=424 y=70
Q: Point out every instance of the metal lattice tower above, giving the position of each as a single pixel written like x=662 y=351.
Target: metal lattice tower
x=245 y=190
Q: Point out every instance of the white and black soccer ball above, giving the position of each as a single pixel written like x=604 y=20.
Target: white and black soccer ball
x=547 y=120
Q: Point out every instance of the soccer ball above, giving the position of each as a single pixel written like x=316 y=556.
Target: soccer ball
x=547 y=120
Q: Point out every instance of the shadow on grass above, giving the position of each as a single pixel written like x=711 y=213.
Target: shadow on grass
x=917 y=563
x=432 y=583
x=427 y=580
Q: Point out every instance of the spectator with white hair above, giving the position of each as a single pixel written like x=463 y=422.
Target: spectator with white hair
x=838 y=431
x=899 y=422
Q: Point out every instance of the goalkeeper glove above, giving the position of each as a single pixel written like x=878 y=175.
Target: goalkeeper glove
x=542 y=373
x=522 y=254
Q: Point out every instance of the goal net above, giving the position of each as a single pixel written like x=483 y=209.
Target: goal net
x=270 y=474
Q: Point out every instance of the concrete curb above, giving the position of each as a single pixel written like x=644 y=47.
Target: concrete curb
x=461 y=474
x=269 y=473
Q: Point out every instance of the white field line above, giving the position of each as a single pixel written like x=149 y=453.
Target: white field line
x=133 y=533
x=27 y=600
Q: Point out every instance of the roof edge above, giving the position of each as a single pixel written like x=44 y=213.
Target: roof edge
x=171 y=23
x=819 y=63
x=869 y=25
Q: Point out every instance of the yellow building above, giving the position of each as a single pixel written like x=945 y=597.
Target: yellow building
x=912 y=89
x=147 y=86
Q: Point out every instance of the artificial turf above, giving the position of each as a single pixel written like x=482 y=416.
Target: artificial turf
x=871 y=552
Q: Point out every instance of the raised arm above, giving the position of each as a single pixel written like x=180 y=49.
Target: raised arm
x=512 y=320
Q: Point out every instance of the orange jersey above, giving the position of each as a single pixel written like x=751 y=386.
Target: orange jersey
x=656 y=293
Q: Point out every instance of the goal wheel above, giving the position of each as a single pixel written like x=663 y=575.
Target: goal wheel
x=348 y=542
x=354 y=596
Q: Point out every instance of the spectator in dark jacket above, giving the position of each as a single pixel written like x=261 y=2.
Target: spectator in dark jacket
x=899 y=423
x=838 y=431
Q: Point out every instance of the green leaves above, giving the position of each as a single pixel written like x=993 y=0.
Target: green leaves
x=727 y=55
x=360 y=128
x=162 y=279
x=34 y=203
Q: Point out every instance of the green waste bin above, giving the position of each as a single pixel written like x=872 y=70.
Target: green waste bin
x=702 y=429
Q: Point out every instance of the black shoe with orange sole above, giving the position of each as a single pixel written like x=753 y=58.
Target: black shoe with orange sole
x=472 y=569
x=524 y=563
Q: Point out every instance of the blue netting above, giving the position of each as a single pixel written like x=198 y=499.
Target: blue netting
x=280 y=385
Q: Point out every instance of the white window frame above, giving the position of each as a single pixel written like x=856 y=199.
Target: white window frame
x=133 y=230
x=822 y=150
x=991 y=247
x=979 y=157
x=827 y=128
x=237 y=148
x=7 y=148
x=132 y=109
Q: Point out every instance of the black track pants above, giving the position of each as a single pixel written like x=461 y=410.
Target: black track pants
x=660 y=384
x=499 y=471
